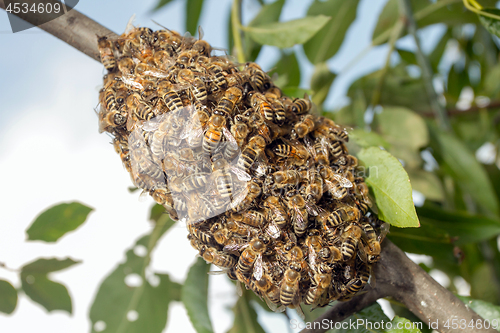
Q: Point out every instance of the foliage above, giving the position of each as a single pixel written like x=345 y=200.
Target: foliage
x=395 y=134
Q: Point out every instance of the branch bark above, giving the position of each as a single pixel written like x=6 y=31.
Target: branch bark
x=73 y=28
x=396 y=275
x=400 y=278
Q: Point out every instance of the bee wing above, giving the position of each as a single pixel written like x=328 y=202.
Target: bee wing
x=270 y=304
x=384 y=230
x=144 y=196
x=296 y=303
x=156 y=73
x=299 y=218
x=242 y=175
x=309 y=145
x=234 y=247
x=223 y=271
x=239 y=291
x=312 y=209
x=342 y=180
x=273 y=230
x=130 y=80
x=258 y=270
x=239 y=197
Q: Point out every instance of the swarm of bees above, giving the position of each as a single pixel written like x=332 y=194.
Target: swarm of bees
x=267 y=189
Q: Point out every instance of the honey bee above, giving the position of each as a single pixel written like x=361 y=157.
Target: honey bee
x=195 y=181
x=164 y=59
x=106 y=51
x=241 y=229
x=279 y=110
x=202 y=47
x=350 y=238
x=370 y=251
x=314 y=189
x=187 y=59
x=213 y=135
x=216 y=73
x=258 y=77
x=270 y=292
x=222 y=178
x=195 y=84
x=299 y=215
x=237 y=79
x=321 y=282
x=255 y=146
x=138 y=43
x=289 y=292
x=193 y=132
x=277 y=212
x=218 y=258
x=231 y=97
x=356 y=284
x=252 y=218
x=252 y=257
x=335 y=184
x=301 y=105
x=287 y=177
x=327 y=128
x=343 y=215
x=166 y=39
x=143 y=69
x=246 y=197
x=240 y=131
x=126 y=65
x=169 y=96
x=297 y=153
x=303 y=127
x=262 y=106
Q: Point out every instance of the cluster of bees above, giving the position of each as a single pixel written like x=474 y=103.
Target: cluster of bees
x=267 y=189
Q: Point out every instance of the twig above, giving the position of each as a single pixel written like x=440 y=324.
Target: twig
x=400 y=278
x=235 y=21
x=423 y=62
x=73 y=28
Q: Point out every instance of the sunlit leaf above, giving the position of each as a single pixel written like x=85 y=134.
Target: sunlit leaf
x=195 y=296
x=127 y=301
x=193 y=12
x=468 y=172
x=37 y=286
x=287 y=34
x=327 y=41
x=367 y=139
x=268 y=13
x=321 y=82
x=402 y=127
x=8 y=297
x=391 y=187
x=491 y=24
x=245 y=317
x=461 y=226
x=53 y=223
x=426 y=183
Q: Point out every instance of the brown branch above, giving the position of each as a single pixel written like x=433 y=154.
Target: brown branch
x=400 y=278
x=73 y=28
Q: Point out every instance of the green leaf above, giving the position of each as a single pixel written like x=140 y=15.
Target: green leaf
x=37 y=286
x=426 y=183
x=245 y=317
x=193 y=12
x=437 y=53
x=8 y=297
x=195 y=296
x=367 y=318
x=157 y=212
x=391 y=187
x=491 y=24
x=462 y=227
x=268 y=13
x=132 y=189
x=147 y=299
x=53 y=223
x=402 y=322
x=288 y=70
x=468 y=172
x=328 y=40
x=402 y=127
x=161 y=3
x=321 y=81
x=486 y=310
x=366 y=139
x=287 y=34
x=407 y=56
x=295 y=92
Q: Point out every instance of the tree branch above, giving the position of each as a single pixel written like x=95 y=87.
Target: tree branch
x=73 y=28
x=399 y=277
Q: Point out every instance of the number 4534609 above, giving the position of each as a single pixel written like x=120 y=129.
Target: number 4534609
x=40 y=8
